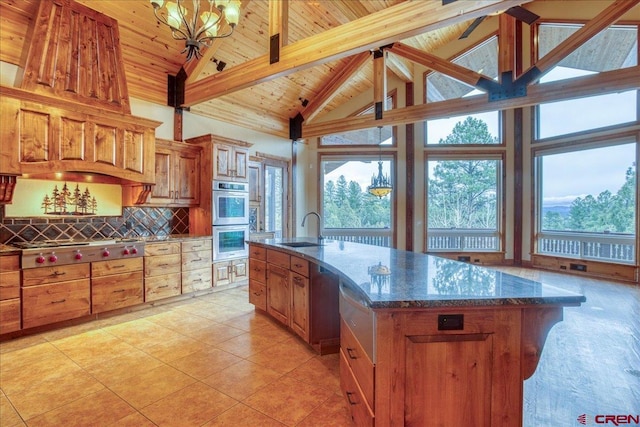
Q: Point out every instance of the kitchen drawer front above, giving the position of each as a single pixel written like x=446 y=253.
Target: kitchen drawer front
x=258 y=270
x=257 y=252
x=361 y=413
x=116 y=266
x=162 y=248
x=165 y=286
x=52 y=303
x=161 y=265
x=196 y=260
x=9 y=285
x=196 y=245
x=45 y=275
x=9 y=263
x=358 y=361
x=258 y=294
x=278 y=258
x=196 y=280
x=300 y=266
x=116 y=291
x=9 y=315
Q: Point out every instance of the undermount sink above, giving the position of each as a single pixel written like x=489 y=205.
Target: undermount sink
x=300 y=244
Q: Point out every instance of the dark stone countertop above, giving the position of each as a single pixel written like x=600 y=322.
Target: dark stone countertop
x=416 y=280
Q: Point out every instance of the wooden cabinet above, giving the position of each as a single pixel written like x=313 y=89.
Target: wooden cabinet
x=116 y=284
x=298 y=293
x=200 y=217
x=162 y=270
x=258 y=277
x=196 y=265
x=231 y=272
x=53 y=134
x=10 y=293
x=54 y=294
x=177 y=171
x=230 y=162
x=360 y=391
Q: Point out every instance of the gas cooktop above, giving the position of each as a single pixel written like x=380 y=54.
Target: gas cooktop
x=42 y=244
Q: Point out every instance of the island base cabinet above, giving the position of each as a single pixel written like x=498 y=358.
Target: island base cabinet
x=361 y=414
x=278 y=294
x=258 y=294
x=449 y=367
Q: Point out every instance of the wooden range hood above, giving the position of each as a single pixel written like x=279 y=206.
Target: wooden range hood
x=72 y=113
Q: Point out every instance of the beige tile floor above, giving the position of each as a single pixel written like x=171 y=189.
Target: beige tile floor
x=206 y=361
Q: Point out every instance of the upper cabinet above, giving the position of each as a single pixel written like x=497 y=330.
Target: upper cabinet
x=230 y=162
x=177 y=172
x=53 y=135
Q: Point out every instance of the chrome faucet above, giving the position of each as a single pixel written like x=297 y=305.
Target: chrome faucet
x=319 y=222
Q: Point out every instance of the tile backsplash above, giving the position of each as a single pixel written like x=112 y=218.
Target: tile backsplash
x=134 y=222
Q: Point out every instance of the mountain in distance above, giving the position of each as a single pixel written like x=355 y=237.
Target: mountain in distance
x=562 y=210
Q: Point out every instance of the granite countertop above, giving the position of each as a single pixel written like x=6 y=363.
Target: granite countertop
x=410 y=279
x=174 y=237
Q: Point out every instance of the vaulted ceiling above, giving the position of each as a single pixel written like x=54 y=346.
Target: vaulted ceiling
x=323 y=39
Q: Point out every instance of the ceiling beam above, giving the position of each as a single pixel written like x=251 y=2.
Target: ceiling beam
x=395 y=23
x=579 y=87
x=330 y=88
x=278 y=28
x=402 y=68
x=436 y=63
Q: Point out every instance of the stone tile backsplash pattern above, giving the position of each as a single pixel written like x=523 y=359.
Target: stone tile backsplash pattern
x=134 y=222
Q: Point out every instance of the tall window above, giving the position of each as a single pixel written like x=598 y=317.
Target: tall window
x=587 y=206
x=274 y=208
x=463 y=194
x=349 y=212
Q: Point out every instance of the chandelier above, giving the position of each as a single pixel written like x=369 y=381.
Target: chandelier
x=380 y=184
x=196 y=33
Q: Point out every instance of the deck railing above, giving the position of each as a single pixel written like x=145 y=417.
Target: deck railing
x=376 y=237
x=461 y=240
x=593 y=246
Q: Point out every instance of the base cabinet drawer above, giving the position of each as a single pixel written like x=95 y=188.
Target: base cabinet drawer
x=358 y=361
x=159 y=287
x=196 y=280
x=162 y=264
x=258 y=294
x=361 y=414
x=56 y=302
x=116 y=291
x=196 y=260
x=9 y=315
x=57 y=274
x=9 y=285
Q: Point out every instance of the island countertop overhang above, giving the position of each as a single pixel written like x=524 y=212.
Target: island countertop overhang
x=387 y=278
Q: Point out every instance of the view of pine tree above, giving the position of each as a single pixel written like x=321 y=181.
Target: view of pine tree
x=346 y=205
x=462 y=193
x=605 y=212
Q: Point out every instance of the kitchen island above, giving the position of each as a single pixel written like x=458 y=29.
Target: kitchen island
x=426 y=340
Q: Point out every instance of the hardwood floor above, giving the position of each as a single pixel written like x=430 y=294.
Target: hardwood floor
x=213 y=361
x=591 y=360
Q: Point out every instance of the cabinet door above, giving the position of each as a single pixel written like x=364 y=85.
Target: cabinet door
x=278 y=293
x=300 y=305
x=162 y=192
x=187 y=178
x=255 y=181
x=239 y=269
x=221 y=273
x=240 y=166
x=222 y=158
x=467 y=361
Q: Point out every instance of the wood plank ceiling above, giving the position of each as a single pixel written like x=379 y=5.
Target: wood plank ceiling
x=150 y=54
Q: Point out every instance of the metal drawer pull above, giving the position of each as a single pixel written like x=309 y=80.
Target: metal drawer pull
x=119 y=290
x=163 y=286
x=119 y=266
x=197 y=280
x=57 y=273
x=297 y=265
x=163 y=265
x=350 y=353
x=59 y=301
x=196 y=260
x=163 y=249
x=351 y=402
